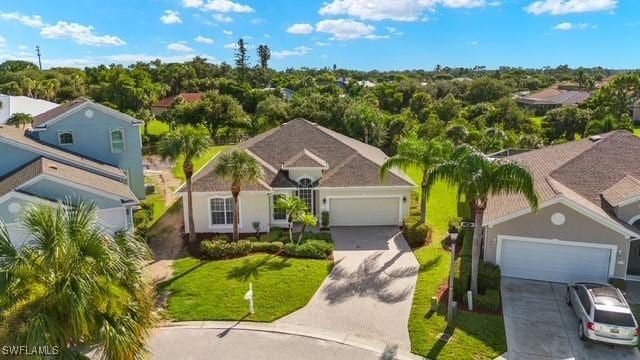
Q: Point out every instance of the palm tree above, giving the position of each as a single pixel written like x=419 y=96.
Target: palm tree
x=478 y=177
x=73 y=285
x=238 y=167
x=188 y=143
x=20 y=119
x=423 y=155
x=306 y=219
x=293 y=207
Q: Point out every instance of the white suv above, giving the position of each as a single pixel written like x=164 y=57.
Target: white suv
x=603 y=314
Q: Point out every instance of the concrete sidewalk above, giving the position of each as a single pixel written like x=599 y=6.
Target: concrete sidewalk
x=343 y=345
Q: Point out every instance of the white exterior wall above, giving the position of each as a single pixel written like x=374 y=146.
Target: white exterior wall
x=254 y=206
x=299 y=173
x=22 y=104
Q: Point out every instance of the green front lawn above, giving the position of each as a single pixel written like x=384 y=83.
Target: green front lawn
x=476 y=336
x=157 y=128
x=636 y=130
x=199 y=162
x=214 y=290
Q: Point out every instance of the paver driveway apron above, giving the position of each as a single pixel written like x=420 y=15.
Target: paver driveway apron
x=539 y=324
x=369 y=292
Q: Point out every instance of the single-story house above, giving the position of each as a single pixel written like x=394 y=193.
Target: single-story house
x=552 y=98
x=165 y=104
x=22 y=104
x=588 y=223
x=329 y=171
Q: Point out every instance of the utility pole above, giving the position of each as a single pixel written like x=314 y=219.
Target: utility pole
x=38 y=53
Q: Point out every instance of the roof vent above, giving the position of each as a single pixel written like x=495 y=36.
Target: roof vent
x=314 y=124
x=53 y=167
x=595 y=138
x=283 y=124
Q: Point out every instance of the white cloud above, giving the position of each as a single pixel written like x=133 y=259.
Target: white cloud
x=565 y=26
x=23 y=47
x=203 y=40
x=343 y=29
x=179 y=47
x=226 y=6
x=81 y=34
x=320 y=43
x=400 y=10
x=561 y=7
x=170 y=17
x=230 y=46
x=227 y=32
x=376 y=37
x=267 y=36
x=298 y=51
x=300 y=29
x=3 y=41
x=257 y=21
x=34 y=21
x=192 y=3
x=222 y=18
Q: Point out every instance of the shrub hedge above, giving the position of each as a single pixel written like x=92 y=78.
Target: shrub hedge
x=490 y=301
x=312 y=249
x=414 y=232
x=267 y=247
x=463 y=266
x=488 y=277
x=221 y=249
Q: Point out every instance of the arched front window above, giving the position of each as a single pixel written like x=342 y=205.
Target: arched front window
x=305 y=192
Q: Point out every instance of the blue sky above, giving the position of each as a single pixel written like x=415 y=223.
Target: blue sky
x=357 y=34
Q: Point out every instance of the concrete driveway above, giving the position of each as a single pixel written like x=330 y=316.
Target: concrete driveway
x=540 y=325
x=369 y=291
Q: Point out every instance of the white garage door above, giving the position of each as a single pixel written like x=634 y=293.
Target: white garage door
x=364 y=211
x=553 y=262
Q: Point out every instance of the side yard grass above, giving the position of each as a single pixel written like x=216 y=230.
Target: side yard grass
x=214 y=290
x=476 y=336
x=199 y=162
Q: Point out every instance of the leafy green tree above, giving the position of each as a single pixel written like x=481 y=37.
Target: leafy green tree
x=609 y=123
x=565 y=123
x=241 y=57
x=186 y=143
x=272 y=112
x=306 y=219
x=424 y=156
x=486 y=89
x=73 y=285
x=508 y=115
x=421 y=105
x=239 y=168
x=365 y=122
x=448 y=108
x=478 y=177
x=264 y=54
x=294 y=207
x=457 y=133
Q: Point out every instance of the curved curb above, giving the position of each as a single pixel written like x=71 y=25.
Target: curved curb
x=377 y=347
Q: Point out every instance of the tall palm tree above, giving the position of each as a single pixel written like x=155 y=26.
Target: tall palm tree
x=238 y=167
x=422 y=155
x=73 y=285
x=293 y=207
x=188 y=143
x=477 y=178
x=20 y=119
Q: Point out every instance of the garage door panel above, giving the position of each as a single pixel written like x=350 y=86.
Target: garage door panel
x=364 y=211
x=554 y=262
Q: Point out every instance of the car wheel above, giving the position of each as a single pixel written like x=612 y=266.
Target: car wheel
x=581 y=332
x=567 y=297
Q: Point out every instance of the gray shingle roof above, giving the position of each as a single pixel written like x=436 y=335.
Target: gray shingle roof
x=68 y=173
x=580 y=170
x=17 y=136
x=625 y=189
x=305 y=158
x=350 y=162
x=57 y=111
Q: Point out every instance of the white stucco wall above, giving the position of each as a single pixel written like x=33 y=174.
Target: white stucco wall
x=254 y=206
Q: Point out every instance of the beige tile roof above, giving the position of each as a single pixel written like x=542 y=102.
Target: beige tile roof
x=65 y=172
x=351 y=162
x=17 y=136
x=581 y=171
x=624 y=189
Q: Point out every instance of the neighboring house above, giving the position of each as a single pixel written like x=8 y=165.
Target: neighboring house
x=287 y=94
x=329 y=171
x=166 y=103
x=552 y=98
x=22 y=104
x=588 y=224
x=77 y=151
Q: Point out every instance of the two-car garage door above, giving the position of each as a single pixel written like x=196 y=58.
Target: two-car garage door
x=364 y=211
x=553 y=261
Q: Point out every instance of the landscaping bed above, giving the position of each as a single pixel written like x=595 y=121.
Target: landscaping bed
x=475 y=335
x=214 y=290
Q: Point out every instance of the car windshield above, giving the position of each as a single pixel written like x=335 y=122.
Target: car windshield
x=614 y=318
